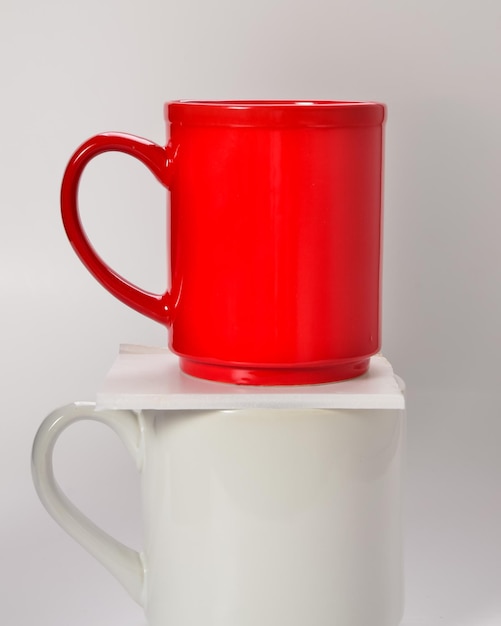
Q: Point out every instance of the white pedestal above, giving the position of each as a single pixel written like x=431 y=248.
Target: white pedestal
x=273 y=506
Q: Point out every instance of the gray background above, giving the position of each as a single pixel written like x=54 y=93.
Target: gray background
x=72 y=69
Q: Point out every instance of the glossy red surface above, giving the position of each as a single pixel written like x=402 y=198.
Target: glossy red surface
x=275 y=212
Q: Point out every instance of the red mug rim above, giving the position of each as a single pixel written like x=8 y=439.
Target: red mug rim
x=311 y=113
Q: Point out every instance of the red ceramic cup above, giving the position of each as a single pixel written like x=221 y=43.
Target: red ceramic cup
x=275 y=215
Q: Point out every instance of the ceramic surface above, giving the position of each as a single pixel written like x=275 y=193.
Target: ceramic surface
x=253 y=517
x=275 y=227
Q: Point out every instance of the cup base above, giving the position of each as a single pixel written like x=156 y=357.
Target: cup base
x=268 y=376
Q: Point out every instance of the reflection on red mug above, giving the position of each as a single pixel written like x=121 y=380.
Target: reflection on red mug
x=275 y=214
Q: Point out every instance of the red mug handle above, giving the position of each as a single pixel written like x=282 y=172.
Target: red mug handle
x=158 y=160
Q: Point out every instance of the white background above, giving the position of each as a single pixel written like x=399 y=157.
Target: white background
x=71 y=69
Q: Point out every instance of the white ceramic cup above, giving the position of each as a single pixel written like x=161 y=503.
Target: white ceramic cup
x=252 y=517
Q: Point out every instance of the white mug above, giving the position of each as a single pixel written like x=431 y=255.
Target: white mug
x=252 y=517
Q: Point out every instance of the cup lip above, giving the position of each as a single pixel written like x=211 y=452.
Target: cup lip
x=321 y=113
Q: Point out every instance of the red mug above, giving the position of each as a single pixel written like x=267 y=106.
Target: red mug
x=275 y=214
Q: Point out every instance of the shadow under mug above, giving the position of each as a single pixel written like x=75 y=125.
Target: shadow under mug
x=275 y=237
x=252 y=517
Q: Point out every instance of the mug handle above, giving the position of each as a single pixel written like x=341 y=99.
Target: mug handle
x=123 y=562
x=158 y=160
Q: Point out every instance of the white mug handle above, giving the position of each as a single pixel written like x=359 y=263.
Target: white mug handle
x=124 y=563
